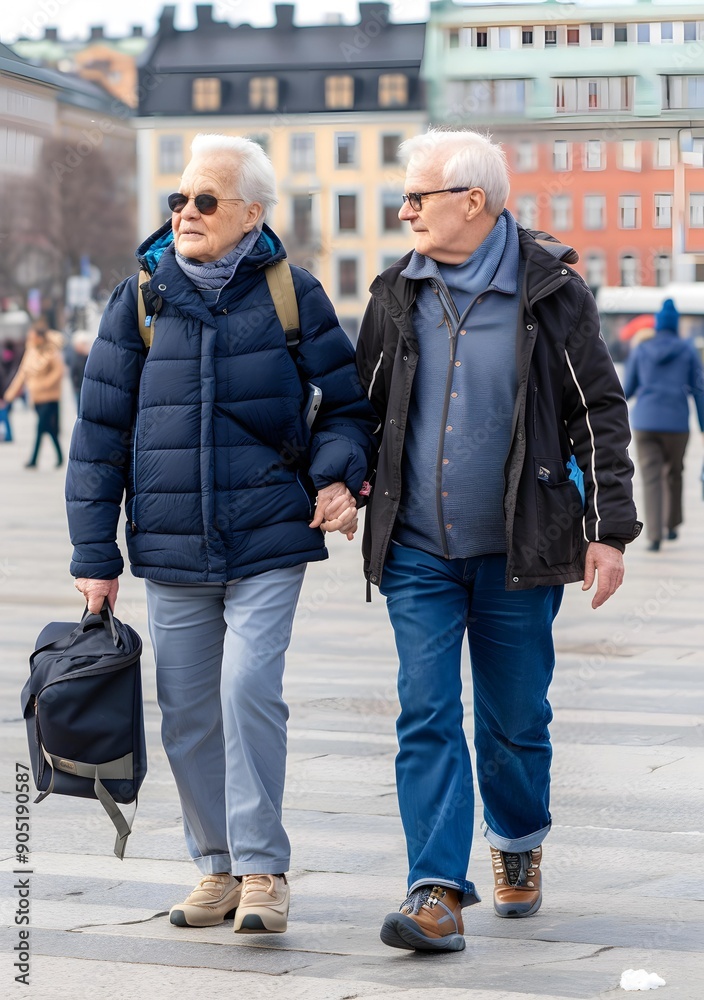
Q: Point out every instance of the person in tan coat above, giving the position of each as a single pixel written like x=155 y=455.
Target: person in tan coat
x=41 y=371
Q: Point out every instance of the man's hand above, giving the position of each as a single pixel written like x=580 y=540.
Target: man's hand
x=336 y=510
x=607 y=562
x=95 y=592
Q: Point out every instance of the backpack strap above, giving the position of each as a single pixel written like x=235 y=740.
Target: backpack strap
x=148 y=305
x=280 y=282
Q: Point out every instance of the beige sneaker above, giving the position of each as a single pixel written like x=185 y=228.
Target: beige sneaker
x=214 y=899
x=263 y=908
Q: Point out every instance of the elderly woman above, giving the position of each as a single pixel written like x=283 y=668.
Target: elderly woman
x=206 y=434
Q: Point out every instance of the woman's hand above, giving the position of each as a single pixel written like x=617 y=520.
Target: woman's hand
x=95 y=592
x=336 y=510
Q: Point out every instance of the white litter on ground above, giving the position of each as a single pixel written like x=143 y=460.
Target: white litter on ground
x=639 y=979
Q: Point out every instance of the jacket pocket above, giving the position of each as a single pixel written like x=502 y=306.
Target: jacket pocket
x=559 y=521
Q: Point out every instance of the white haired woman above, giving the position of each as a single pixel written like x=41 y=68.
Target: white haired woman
x=206 y=438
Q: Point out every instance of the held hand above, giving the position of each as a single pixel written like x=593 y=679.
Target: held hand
x=95 y=592
x=606 y=563
x=336 y=510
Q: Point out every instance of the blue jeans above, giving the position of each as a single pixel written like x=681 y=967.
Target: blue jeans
x=219 y=652
x=432 y=603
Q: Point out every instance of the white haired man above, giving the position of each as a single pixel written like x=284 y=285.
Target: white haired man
x=502 y=474
x=207 y=436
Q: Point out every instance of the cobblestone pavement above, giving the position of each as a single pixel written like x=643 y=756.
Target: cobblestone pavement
x=624 y=882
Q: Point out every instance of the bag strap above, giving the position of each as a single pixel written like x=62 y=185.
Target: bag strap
x=120 y=768
x=280 y=282
x=148 y=305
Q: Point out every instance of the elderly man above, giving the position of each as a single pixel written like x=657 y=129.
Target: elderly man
x=207 y=436
x=502 y=475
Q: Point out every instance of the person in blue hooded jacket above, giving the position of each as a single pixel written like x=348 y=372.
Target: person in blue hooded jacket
x=206 y=437
x=662 y=373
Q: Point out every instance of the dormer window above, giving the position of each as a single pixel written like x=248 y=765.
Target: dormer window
x=339 y=92
x=393 y=90
x=206 y=94
x=264 y=93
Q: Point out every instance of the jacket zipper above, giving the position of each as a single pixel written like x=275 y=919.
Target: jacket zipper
x=134 y=474
x=305 y=492
x=535 y=409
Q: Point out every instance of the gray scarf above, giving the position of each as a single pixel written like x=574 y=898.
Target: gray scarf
x=215 y=274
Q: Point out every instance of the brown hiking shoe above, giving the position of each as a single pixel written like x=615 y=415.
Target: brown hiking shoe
x=429 y=920
x=517 y=882
x=214 y=899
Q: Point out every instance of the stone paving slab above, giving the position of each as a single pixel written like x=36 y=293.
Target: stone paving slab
x=623 y=868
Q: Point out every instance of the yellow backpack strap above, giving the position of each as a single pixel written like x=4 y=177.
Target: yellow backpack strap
x=146 y=320
x=280 y=282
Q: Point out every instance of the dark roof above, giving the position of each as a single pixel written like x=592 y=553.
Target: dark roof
x=70 y=89
x=217 y=47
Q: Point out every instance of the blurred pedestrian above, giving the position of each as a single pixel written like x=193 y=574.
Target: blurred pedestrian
x=662 y=373
x=41 y=372
x=9 y=356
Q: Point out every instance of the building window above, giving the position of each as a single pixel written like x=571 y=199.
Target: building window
x=629 y=268
x=206 y=94
x=526 y=36
x=302 y=209
x=597 y=32
x=526 y=156
x=347 y=213
x=620 y=33
x=390 y=204
x=261 y=139
x=666 y=31
x=663 y=211
x=302 y=151
x=339 y=92
x=164 y=210
x=393 y=90
x=504 y=38
x=696 y=211
x=664 y=153
x=170 y=154
x=561 y=155
x=605 y=93
x=527 y=211
x=264 y=93
x=561 y=212
x=389 y=148
x=453 y=38
x=346 y=149
x=629 y=211
x=630 y=155
x=573 y=36
x=482 y=97
x=682 y=92
x=594 y=211
x=643 y=34
x=350 y=324
x=595 y=270
x=594 y=158
x=662 y=267
x=690 y=31
x=550 y=36
x=482 y=38
x=698 y=150
x=347 y=276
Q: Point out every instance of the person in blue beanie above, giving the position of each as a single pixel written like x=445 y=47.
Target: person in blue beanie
x=662 y=373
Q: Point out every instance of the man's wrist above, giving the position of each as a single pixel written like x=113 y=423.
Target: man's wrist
x=615 y=543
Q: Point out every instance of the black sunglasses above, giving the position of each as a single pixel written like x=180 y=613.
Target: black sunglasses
x=206 y=204
x=415 y=198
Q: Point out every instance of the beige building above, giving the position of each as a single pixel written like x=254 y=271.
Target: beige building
x=329 y=104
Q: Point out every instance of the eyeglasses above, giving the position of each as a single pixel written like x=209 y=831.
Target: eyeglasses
x=206 y=204
x=415 y=198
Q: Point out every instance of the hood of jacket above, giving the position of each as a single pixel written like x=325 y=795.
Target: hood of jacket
x=664 y=347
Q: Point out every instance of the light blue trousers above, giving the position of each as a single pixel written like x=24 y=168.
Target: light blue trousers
x=219 y=654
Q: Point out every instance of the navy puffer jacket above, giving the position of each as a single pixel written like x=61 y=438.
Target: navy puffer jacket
x=205 y=434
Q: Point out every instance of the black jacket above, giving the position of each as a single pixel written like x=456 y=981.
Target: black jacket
x=568 y=402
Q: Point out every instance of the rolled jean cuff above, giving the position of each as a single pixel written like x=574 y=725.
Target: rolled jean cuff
x=519 y=844
x=213 y=864
x=468 y=893
x=267 y=867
